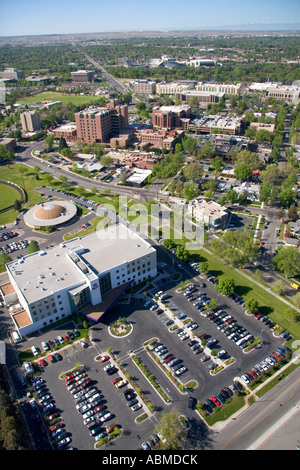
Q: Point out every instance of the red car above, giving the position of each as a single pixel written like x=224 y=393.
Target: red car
x=169 y=358
x=54 y=415
x=69 y=377
x=99 y=408
x=42 y=362
x=117 y=379
x=104 y=358
x=86 y=383
x=66 y=338
x=215 y=401
x=56 y=426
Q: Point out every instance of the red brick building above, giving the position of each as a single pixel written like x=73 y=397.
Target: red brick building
x=169 y=117
x=98 y=124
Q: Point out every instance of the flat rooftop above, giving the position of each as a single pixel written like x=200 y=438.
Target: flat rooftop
x=42 y=273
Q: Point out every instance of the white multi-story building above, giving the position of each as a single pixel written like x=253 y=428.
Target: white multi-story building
x=30 y=121
x=84 y=275
x=143 y=87
x=228 y=89
x=209 y=213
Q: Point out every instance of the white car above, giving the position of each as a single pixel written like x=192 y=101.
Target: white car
x=89 y=420
x=64 y=442
x=181 y=370
x=136 y=407
x=184 y=336
x=106 y=417
x=153 y=307
x=147 y=303
x=83 y=344
x=85 y=408
x=88 y=414
x=245 y=379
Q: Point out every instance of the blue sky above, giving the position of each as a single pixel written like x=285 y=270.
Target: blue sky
x=19 y=17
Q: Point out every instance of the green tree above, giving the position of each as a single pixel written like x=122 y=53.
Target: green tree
x=243 y=172
x=217 y=163
x=17 y=205
x=252 y=305
x=62 y=144
x=226 y=285
x=49 y=142
x=174 y=434
x=287 y=260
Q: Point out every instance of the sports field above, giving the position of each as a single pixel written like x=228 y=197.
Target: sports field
x=64 y=98
x=8 y=195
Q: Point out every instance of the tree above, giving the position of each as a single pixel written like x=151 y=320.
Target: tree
x=243 y=172
x=216 y=163
x=232 y=196
x=62 y=144
x=203 y=266
x=278 y=287
x=226 y=285
x=190 y=192
x=17 y=205
x=174 y=434
x=49 y=142
x=181 y=253
x=106 y=160
x=287 y=197
x=5 y=153
x=193 y=171
x=33 y=247
x=287 y=260
x=252 y=305
x=168 y=244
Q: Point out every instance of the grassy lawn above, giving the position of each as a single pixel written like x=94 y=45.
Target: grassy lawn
x=24 y=177
x=82 y=233
x=270 y=305
x=8 y=195
x=224 y=412
x=64 y=98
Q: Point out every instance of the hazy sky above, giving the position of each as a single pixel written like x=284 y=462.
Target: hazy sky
x=20 y=17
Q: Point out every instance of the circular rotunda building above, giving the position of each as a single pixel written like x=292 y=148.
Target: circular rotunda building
x=49 y=213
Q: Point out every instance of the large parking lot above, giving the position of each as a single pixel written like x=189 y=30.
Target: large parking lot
x=225 y=327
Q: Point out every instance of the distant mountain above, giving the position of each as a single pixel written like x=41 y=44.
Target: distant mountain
x=257 y=27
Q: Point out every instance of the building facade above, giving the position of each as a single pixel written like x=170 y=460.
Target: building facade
x=83 y=76
x=30 y=121
x=76 y=275
x=143 y=87
x=228 y=89
x=209 y=213
x=99 y=124
x=170 y=117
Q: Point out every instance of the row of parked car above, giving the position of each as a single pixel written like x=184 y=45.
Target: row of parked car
x=170 y=360
x=15 y=246
x=7 y=235
x=45 y=400
x=230 y=327
x=265 y=365
x=220 y=398
x=118 y=382
x=89 y=402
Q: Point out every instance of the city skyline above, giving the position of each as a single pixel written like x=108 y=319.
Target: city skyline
x=36 y=18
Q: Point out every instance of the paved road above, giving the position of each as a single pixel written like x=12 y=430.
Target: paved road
x=267 y=424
